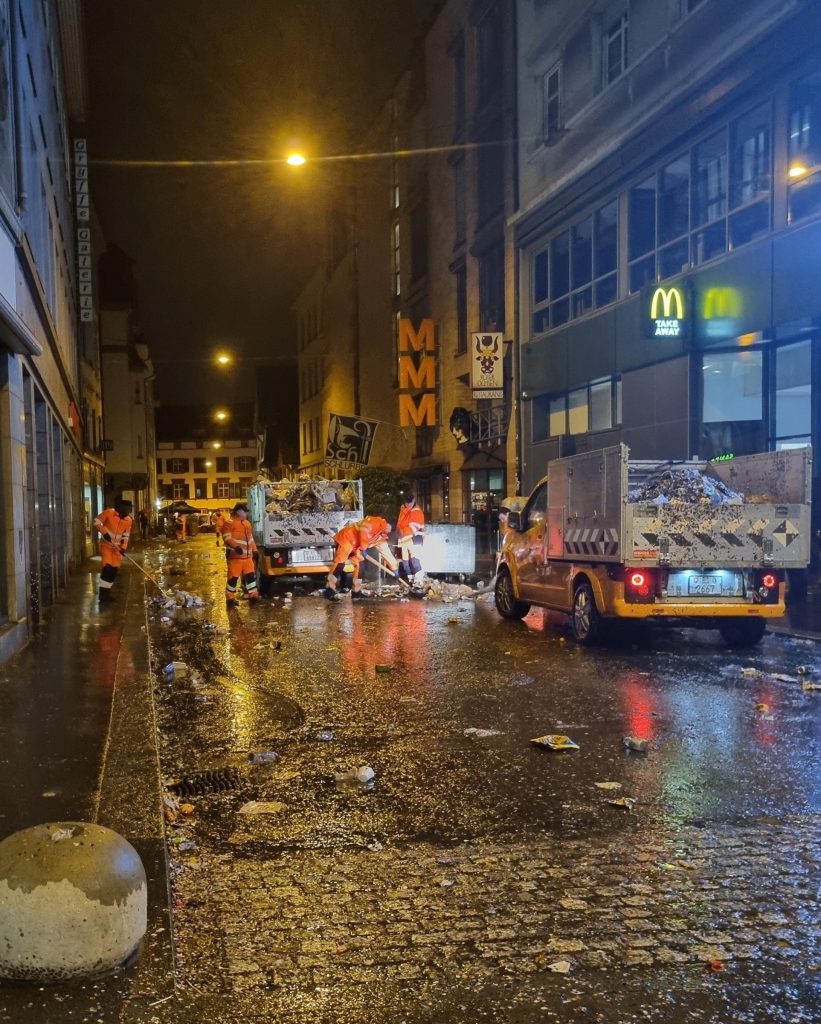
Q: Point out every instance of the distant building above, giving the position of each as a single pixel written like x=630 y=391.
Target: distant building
x=128 y=388
x=45 y=454
x=276 y=417
x=202 y=461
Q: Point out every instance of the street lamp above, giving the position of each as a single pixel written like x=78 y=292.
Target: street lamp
x=208 y=463
x=295 y=160
x=221 y=415
x=798 y=169
x=224 y=358
x=217 y=444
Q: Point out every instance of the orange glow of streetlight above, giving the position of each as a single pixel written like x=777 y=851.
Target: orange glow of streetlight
x=224 y=358
x=221 y=415
x=217 y=444
x=295 y=160
x=798 y=170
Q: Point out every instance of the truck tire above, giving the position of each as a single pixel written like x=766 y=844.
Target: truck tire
x=587 y=625
x=507 y=604
x=742 y=632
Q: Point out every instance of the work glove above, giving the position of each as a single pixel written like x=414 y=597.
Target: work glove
x=239 y=552
x=107 y=537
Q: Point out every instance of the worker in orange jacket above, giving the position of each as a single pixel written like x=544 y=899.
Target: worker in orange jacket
x=114 y=524
x=351 y=541
x=219 y=524
x=240 y=548
x=411 y=529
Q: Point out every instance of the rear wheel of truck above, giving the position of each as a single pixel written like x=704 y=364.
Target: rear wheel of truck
x=742 y=632
x=586 y=619
x=507 y=604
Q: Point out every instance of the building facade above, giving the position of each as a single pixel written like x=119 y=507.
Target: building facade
x=669 y=225
x=42 y=101
x=419 y=236
x=206 y=474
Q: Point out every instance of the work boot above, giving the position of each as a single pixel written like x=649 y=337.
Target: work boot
x=330 y=594
x=104 y=595
x=358 y=595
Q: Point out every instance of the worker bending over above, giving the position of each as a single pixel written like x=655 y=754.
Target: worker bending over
x=115 y=526
x=238 y=538
x=351 y=542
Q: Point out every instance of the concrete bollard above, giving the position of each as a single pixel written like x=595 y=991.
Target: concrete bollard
x=73 y=902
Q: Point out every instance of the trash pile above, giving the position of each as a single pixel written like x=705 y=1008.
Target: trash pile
x=301 y=496
x=684 y=485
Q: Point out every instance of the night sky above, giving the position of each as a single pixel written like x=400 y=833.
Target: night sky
x=221 y=253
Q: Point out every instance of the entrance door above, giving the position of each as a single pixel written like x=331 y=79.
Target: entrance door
x=485 y=493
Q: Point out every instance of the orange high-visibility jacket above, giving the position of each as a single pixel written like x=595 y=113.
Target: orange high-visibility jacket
x=411 y=523
x=363 y=534
x=116 y=526
x=237 y=533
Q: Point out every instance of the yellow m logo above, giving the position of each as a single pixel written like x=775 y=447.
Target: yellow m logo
x=721 y=303
x=669 y=299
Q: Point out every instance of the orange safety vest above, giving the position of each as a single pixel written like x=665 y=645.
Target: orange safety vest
x=116 y=526
x=362 y=534
x=411 y=523
x=237 y=533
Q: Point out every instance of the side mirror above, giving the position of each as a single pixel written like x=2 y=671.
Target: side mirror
x=514 y=521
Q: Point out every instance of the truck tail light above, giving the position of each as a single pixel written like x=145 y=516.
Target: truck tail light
x=767 y=590
x=638 y=585
x=278 y=559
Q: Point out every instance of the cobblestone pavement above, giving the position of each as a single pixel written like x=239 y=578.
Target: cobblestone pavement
x=473 y=873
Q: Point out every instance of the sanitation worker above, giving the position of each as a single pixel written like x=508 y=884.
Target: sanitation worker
x=411 y=529
x=238 y=538
x=219 y=524
x=351 y=542
x=115 y=526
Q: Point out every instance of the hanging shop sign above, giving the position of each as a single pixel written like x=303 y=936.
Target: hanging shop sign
x=82 y=213
x=350 y=440
x=666 y=311
x=487 y=365
x=417 y=374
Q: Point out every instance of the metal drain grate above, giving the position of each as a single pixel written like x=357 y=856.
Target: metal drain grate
x=219 y=780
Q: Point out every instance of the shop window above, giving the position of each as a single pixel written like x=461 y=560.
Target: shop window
x=793 y=395
x=733 y=403
x=805 y=148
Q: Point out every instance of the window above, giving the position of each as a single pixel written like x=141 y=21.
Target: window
x=596 y=406
x=419 y=241
x=490 y=56
x=492 y=289
x=458 y=57
x=159 y=466
x=244 y=463
x=642 y=234
x=459 y=203
x=615 y=50
x=577 y=271
x=221 y=489
x=179 y=489
x=805 y=147
x=750 y=176
x=304 y=438
x=222 y=464
x=200 y=465
x=461 y=310
x=709 y=197
x=396 y=260
x=551 y=103
x=793 y=395
x=178 y=465
x=733 y=403
x=200 y=488
x=490 y=169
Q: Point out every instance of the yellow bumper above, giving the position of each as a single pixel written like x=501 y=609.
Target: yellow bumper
x=682 y=610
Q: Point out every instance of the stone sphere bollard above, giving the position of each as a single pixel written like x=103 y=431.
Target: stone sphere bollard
x=73 y=902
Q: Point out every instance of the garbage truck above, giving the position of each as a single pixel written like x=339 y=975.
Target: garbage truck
x=608 y=540
x=294 y=522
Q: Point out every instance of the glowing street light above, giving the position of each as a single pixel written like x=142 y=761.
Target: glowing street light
x=295 y=160
x=208 y=463
x=221 y=415
x=798 y=170
x=217 y=444
x=224 y=358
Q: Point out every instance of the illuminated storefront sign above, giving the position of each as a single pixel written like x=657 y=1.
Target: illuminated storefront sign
x=667 y=311
x=417 y=374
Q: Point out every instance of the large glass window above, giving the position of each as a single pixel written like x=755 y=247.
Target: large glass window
x=733 y=403
x=805 y=147
x=596 y=406
x=709 y=198
x=793 y=394
x=551 y=103
x=615 y=50
x=750 y=176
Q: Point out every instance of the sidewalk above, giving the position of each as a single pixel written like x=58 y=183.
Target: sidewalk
x=803 y=620
x=78 y=743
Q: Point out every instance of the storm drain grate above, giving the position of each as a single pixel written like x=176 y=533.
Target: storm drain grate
x=218 y=780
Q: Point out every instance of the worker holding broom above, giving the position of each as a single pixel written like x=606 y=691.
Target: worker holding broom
x=351 y=542
x=115 y=526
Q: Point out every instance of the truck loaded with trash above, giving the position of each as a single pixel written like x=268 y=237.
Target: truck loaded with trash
x=294 y=523
x=606 y=539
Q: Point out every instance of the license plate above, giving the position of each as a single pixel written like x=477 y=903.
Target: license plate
x=705 y=586
x=303 y=555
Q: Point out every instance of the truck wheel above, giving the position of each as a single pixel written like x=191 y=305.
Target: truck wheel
x=742 y=632
x=507 y=604
x=586 y=618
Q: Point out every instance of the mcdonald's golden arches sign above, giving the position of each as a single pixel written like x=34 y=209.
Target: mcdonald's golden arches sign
x=666 y=311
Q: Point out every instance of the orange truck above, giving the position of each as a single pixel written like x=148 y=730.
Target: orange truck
x=606 y=539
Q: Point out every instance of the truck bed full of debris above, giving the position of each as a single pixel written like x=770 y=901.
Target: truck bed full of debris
x=298 y=497
x=684 y=485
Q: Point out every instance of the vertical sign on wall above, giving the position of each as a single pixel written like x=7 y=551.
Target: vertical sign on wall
x=487 y=375
x=83 y=214
x=417 y=374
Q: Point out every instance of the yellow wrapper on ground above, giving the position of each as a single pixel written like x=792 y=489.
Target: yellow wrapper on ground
x=555 y=742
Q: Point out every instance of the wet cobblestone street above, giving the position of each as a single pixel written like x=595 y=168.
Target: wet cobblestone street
x=476 y=870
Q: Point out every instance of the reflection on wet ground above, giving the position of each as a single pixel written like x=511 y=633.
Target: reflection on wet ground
x=474 y=870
